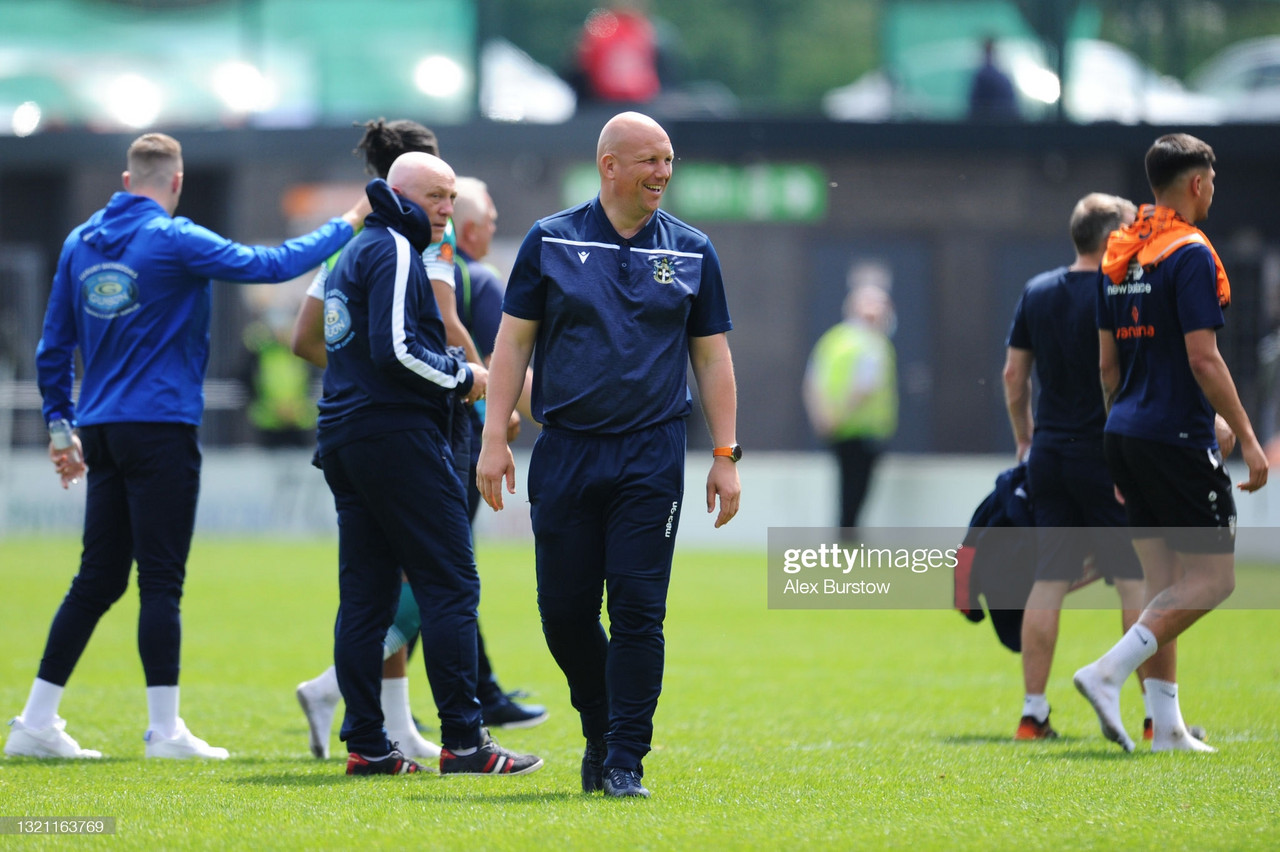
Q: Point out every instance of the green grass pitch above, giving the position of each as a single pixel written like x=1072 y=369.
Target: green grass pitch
x=777 y=729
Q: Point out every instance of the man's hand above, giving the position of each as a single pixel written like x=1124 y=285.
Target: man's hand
x=479 y=383
x=495 y=465
x=355 y=216
x=69 y=463
x=1256 y=459
x=723 y=480
x=513 y=426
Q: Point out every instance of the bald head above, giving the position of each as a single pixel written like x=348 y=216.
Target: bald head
x=427 y=181
x=628 y=129
x=635 y=159
x=417 y=168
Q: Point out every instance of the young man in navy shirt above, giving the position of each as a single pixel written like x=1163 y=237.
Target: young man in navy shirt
x=1162 y=293
x=617 y=297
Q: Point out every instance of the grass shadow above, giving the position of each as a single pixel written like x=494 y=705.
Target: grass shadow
x=480 y=795
x=285 y=779
x=1114 y=753
x=435 y=789
x=1003 y=739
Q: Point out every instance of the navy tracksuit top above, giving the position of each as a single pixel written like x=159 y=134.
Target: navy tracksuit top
x=387 y=369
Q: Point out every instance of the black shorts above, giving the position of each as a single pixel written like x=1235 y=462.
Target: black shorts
x=1180 y=494
x=1077 y=515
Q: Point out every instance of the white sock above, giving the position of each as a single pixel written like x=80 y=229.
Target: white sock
x=396 y=714
x=1163 y=698
x=1169 y=730
x=1036 y=706
x=42 y=704
x=1146 y=700
x=326 y=683
x=1135 y=647
x=162 y=710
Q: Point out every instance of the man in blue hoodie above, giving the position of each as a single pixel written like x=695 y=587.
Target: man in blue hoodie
x=384 y=446
x=132 y=292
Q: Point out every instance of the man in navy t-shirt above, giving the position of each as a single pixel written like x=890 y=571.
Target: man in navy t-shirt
x=1076 y=513
x=617 y=297
x=1162 y=291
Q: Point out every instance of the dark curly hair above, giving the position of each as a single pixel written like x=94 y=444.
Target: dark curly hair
x=384 y=140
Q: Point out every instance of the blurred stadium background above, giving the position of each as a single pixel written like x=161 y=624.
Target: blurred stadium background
x=811 y=136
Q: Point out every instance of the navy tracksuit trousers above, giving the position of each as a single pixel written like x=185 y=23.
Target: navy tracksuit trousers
x=143 y=483
x=605 y=511
x=400 y=507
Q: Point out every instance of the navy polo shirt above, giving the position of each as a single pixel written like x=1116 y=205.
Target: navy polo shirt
x=1150 y=313
x=1056 y=320
x=615 y=317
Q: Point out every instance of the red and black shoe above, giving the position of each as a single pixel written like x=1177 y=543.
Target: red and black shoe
x=394 y=763
x=488 y=759
x=1030 y=729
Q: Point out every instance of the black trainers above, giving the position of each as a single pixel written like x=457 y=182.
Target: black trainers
x=623 y=782
x=508 y=714
x=593 y=766
x=394 y=763
x=489 y=759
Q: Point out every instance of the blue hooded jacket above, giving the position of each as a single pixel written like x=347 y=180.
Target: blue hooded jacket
x=132 y=292
x=387 y=366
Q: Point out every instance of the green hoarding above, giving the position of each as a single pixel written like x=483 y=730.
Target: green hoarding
x=711 y=192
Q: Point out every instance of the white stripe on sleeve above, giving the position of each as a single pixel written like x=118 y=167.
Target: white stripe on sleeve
x=405 y=255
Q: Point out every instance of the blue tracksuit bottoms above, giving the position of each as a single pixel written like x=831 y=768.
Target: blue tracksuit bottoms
x=605 y=511
x=143 y=483
x=401 y=506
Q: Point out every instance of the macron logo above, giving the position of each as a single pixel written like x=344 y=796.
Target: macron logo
x=583 y=255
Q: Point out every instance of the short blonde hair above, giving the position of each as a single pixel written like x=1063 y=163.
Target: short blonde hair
x=154 y=158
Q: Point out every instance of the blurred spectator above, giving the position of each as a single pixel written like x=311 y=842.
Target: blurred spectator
x=281 y=408
x=851 y=385
x=617 y=56
x=991 y=97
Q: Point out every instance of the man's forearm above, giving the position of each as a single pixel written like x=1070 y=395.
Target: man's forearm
x=508 y=365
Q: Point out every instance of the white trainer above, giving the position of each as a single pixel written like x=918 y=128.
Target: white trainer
x=183 y=745
x=1180 y=740
x=51 y=741
x=319 y=705
x=412 y=744
x=1105 y=698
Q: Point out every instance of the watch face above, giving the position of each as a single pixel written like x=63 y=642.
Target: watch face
x=733 y=453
